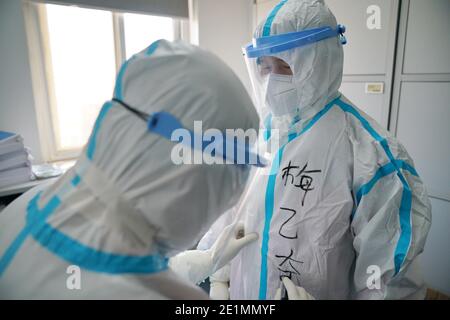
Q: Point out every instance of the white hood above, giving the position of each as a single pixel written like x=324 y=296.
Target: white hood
x=129 y=197
x=317 y=68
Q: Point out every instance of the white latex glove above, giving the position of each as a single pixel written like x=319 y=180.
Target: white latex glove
x=219 y=290
x=219 y=284
x=294 y=292
x=197 y=265
x=229 y=243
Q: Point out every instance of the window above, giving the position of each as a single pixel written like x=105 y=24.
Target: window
x=156 y=28
x=75 y=54
x=82 y=69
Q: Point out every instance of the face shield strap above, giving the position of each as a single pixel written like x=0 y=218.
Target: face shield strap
x=229 y=148
x=269 y=45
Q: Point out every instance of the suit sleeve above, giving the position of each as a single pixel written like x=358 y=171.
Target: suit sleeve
x=390 y=223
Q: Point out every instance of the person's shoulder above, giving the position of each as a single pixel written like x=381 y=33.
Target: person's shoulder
x=368 y=134
x=362 y=123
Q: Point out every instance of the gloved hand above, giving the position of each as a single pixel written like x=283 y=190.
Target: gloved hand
x=197 y=265
x=219 y=290
x=294 y=292
x=229 y=243
x=219 y=284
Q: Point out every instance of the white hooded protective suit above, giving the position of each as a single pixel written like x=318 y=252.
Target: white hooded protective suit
x=342 y=212
x=106 y=228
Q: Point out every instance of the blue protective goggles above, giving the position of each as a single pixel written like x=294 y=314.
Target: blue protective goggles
x=269 y=45
x=164 y=124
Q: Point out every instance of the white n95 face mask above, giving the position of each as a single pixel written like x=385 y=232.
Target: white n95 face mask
x=281 y=95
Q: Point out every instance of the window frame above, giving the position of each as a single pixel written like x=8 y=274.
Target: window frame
x=42 y=75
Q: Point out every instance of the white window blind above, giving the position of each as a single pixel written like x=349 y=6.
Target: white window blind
x=169 y=8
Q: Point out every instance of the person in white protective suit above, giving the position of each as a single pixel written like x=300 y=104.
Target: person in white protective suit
x=107 y=227
x=341 y=212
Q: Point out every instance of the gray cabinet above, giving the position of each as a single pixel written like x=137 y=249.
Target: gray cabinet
x=423 y=127
x=420 y=117
x=427 y=44
x=369 y=53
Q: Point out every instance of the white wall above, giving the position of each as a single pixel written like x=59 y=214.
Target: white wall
x=224 y=26
x=17 y=112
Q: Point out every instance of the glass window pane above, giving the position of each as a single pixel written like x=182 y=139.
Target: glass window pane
x=83 y=64
x=141 y=30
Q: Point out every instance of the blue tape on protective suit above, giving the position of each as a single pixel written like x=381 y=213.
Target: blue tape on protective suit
x=404 y=241
x=118 y=90
x=118 y=94
x=92 y=144
x=81 y=255
x=25 y=232
x=383 y=171
x=269 y=20
x=267 y=127
x=151 y=48
x=75 y=252
x=64 y=246
x=270 y=195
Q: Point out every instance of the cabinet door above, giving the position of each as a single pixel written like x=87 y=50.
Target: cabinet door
x=427 y=45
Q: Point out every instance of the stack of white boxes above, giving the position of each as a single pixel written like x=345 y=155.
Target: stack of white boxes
x=15 y=165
